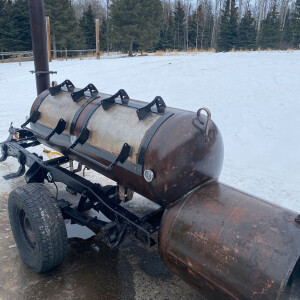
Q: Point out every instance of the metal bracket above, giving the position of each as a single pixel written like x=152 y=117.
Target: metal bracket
x=83 y=137
x=4 y=152
x=33 y=118
x=144 y=111
x=77 y=96
x=34 y=174
x=54 y=90
x=59 y=129
x=38 y=73
x=109 y=102
x=114 y=234
x=122 y=157
x=21 y=170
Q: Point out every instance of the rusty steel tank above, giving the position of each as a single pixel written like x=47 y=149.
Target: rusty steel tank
x=223 y=242
x=231 y=245
x=164 y=152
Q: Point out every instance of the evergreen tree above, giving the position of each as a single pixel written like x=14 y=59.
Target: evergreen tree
x=167 y=34
x=179 y=17
x=270 y=30
x=150 y=15
x=65 y=33
x=287 y=35
x=3 y=25
x=295 y=24
x=104 y=35
x=87 y=24
x=17 y=36
x=247 y=32
x=227 y=39
x=135 y=21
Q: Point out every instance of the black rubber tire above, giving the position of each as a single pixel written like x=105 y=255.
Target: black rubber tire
x=38 y=227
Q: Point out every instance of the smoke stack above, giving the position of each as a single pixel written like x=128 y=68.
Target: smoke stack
x=39 y=44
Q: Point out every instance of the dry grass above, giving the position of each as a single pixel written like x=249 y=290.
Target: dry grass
x=177 y=52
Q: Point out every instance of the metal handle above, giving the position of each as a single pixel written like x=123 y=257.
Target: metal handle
x=77 y=96
x=160 y=105
x=208 y=119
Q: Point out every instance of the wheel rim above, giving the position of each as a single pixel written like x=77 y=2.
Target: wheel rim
x=26 y=229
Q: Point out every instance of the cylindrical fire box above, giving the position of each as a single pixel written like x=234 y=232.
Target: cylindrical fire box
x=230 y=245
x=178 y=149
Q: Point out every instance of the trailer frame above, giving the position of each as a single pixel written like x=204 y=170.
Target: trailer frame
x=92 y=195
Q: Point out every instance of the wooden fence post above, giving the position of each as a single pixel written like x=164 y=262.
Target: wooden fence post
x=48 y=38
x=97 y=39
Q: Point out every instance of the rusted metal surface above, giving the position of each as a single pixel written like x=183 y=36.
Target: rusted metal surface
x=180 y=150
x=230 y=245
x=39 y=44
x=183 y=157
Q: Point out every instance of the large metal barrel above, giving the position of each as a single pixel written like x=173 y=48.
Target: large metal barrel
x=230 y=245
x=178 y=149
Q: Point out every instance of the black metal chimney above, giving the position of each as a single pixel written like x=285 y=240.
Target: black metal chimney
x=39 y=44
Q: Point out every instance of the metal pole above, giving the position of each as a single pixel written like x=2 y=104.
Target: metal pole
x=39 y=44
x=97 y=39
x=48 y=38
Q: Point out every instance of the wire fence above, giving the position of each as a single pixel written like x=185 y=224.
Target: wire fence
x=22 y=56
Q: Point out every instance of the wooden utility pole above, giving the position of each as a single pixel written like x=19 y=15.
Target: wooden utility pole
x=48 y=38
x=97 y=39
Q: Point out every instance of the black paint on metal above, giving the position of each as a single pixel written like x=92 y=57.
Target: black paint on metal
x=77 y=96
x=147 y=140
x=79 y=111
x=98 y=198
x=39 y=44
x=122 y=157
x=54 y=90
x=21 y=171
x=43 y=72
x=83 y=137
x=59 y=129
x=109 y=102
x=33 y=118
x=144 y=111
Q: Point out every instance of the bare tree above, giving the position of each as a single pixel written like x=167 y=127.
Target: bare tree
x=187 y=9
x=283 y=11
x=97 y=6
x=217 y=17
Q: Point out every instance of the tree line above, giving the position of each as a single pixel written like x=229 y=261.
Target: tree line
x=151 y=25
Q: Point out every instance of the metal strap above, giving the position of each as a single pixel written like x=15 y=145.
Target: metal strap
x=79 y=111
x=36 y=114
x=89 y=115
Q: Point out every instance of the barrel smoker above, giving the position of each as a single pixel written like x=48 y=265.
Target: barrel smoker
x=223 y=242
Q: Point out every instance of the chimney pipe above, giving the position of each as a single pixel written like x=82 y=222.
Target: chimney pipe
x=39 y=44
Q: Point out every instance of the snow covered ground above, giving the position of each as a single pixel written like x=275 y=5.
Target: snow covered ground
x=254 y=99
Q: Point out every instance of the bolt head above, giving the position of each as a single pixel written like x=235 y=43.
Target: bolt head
x=148 y=175
x=49 y=177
